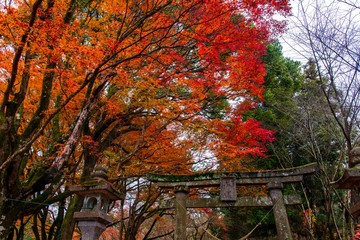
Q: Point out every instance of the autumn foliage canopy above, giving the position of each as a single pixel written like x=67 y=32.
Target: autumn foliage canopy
x=140 y=86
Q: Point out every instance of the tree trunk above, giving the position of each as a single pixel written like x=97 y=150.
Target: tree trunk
x=9 y=212
x=68 y=225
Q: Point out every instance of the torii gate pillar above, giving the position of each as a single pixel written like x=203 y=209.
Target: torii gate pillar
x=281 y=220
x=181 y=194
x=228 y=181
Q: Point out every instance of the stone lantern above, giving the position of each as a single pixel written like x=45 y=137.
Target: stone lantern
x=98 y=196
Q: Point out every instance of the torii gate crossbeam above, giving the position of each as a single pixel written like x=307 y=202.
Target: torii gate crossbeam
x=227 y=181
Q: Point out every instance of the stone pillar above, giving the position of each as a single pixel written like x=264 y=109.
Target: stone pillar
x=91 y=230
x=281 y=220
x=181 y=194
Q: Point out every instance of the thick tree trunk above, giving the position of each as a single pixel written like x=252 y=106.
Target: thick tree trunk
x=68 y=225
x=10 y=205
x=9 y=212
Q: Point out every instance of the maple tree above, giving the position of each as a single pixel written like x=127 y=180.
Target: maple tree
x=135 y=85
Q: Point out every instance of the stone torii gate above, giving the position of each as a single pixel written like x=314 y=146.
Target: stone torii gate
x=227 y=182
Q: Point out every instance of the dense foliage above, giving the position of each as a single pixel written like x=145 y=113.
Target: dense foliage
x=138 y=86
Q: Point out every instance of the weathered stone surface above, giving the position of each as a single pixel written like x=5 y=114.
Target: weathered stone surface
x=260 y=201
x=180 y=218
x=91 y=230
x=354 y=157
x=181 y=188
x=349 y=180
x=273 y=179
x=355 y=210
x=228 y=189
x=239 y=182
x=98 y=194
x=302 y=170
x=103 y=189
x=291 y=175
x=281 y=221
x=93 y=216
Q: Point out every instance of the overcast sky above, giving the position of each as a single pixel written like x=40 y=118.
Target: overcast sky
x=343 y=13
x=290 y=48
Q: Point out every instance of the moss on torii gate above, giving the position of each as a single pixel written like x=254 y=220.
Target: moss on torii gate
x=227 y=181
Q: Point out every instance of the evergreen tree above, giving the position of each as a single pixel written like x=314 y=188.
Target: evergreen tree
x=296 y=109
x=283 y=81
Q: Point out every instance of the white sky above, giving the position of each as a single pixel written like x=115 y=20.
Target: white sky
x=343 y=14
x=289 y=46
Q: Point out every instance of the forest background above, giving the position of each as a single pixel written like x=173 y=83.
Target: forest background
x=174 y=87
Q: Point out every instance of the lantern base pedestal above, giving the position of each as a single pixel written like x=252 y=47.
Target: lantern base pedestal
x=92 y=224
x=91 y=230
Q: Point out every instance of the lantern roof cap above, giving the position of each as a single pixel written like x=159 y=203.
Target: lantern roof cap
x=103 y=188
